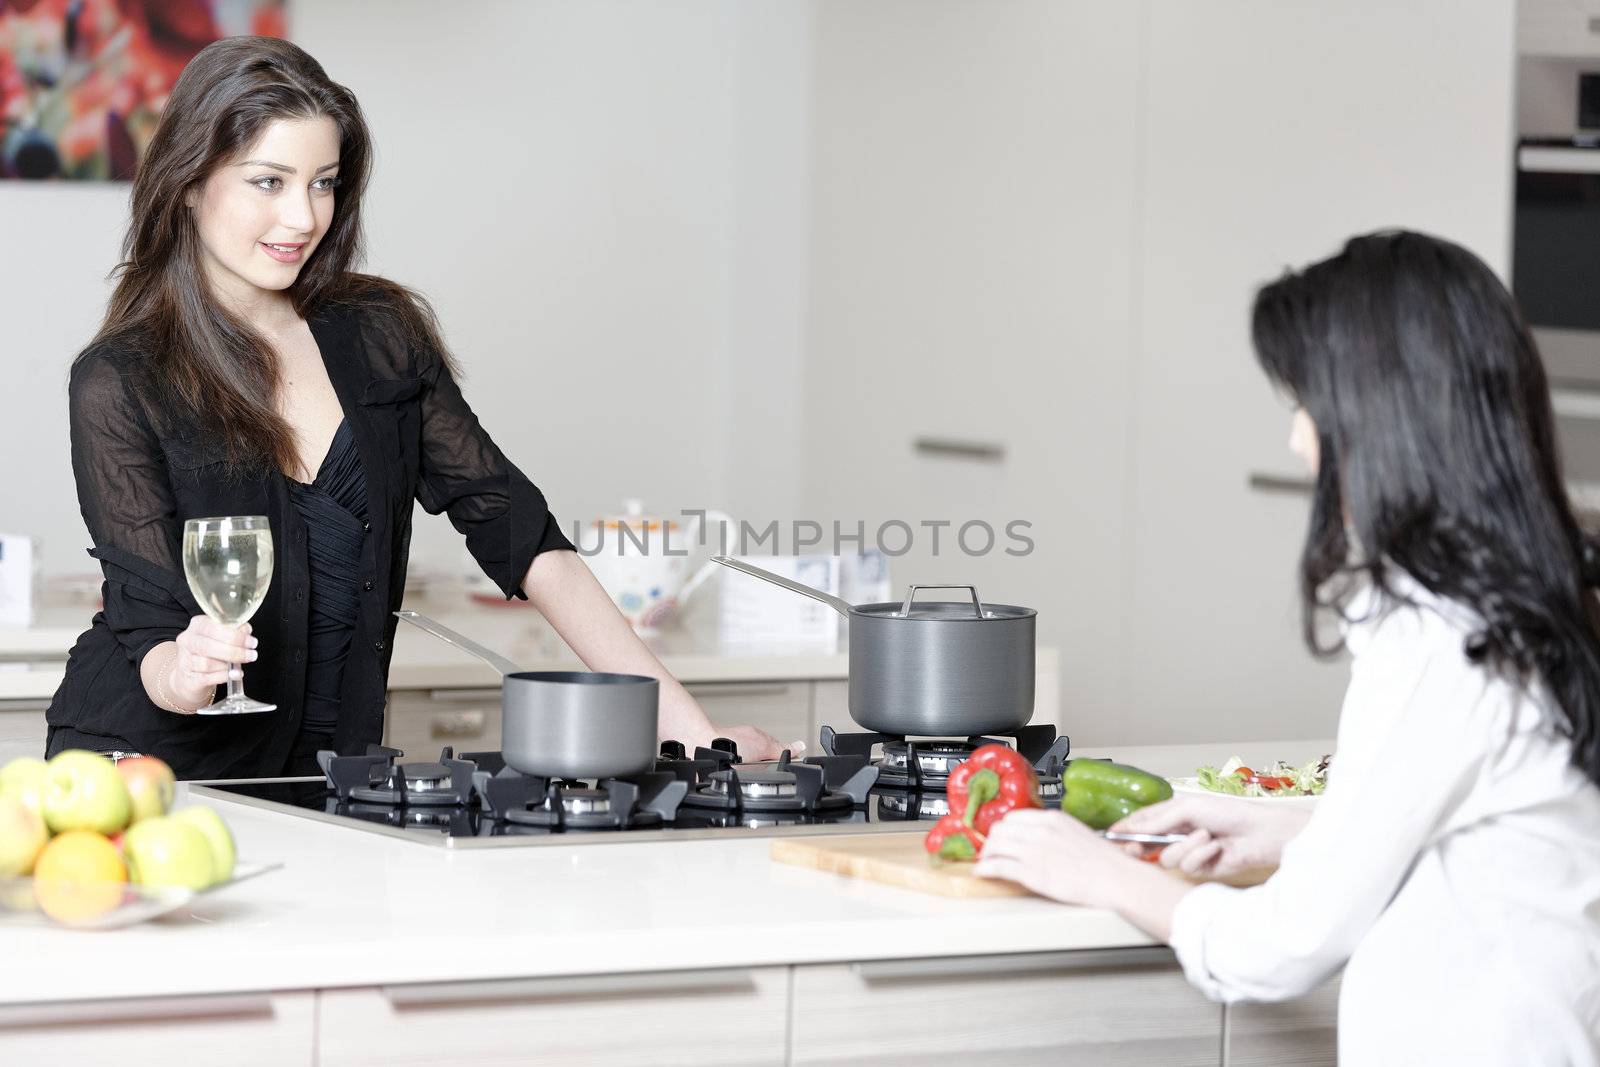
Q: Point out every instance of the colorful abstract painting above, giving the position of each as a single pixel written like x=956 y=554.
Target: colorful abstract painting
x=82 y=82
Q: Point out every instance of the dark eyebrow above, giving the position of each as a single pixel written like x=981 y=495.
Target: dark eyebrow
x=281 y=167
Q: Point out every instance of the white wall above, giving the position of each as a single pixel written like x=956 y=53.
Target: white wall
x=605 y=201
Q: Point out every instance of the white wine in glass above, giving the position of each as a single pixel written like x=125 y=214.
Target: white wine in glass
x=228 y=562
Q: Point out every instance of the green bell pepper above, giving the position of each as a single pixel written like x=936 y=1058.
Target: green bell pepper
x=1098 y=793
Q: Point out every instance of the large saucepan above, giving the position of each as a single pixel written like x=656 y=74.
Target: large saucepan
x=933 y=669
x=567 y=724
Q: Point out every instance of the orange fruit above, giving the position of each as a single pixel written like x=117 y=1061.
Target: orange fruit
x=78 y=875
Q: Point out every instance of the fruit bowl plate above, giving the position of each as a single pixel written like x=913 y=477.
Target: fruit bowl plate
x=107 y=905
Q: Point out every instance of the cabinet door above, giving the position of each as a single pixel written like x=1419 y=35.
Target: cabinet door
x=974 y=202
x=422 y=721
x=1300 y=1032
x=598 y=1019
x=1239 y=183
x=1105 y=1007
x=269 y=1029
x=783 y=709
x=22 y=729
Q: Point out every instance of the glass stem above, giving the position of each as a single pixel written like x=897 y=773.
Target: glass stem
x=236 y=685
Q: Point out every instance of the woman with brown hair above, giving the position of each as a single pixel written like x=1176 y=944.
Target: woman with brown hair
x=245 y=368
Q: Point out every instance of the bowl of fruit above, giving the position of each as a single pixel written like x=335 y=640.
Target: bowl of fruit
x=94 y=844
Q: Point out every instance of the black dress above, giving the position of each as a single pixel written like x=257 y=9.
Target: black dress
x=333 y=507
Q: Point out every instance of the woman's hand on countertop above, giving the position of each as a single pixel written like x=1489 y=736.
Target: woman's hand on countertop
x=1054 y=855
x=1058 y=857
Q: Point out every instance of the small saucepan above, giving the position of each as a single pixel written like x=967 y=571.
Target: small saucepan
x=932 y=668
x=567 y=724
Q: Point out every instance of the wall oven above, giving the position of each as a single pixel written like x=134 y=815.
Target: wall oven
x=1555 y=274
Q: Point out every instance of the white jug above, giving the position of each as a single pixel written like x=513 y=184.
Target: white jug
x=651 y=565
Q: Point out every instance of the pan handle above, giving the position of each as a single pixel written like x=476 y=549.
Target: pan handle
x=842 y=607
x=977 y=605
x=466 y=644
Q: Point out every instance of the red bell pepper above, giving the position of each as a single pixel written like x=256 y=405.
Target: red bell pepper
x=952 y=839
x=994 y=781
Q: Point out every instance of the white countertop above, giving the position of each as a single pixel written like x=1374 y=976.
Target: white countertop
x=355 y=908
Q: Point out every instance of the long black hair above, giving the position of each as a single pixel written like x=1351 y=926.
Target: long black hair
x=1438 y=457
x=203 y=357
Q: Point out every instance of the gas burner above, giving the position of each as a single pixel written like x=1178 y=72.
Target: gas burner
x=817 y=785
x=935 y=759
x=925 y=765
x=645 y=801
x=454 y=820
x=379 y=778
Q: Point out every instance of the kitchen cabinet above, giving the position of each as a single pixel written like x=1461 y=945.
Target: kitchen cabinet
x=598 y=1019
x=22 y=728
x=972 y=271
x=265 y=1029
x=1107 y=1007
x=1567 y=28
x=1037 y=233
x=781 y=708
x=1299 y=1032
x=420 y=722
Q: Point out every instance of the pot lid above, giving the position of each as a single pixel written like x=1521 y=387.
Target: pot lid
x=944 y=611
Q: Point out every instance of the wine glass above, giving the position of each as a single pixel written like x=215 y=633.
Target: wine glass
x=228 y=562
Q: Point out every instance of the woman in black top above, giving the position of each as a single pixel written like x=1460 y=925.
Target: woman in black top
x=244 y=369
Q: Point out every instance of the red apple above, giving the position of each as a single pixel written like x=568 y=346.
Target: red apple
x=150 y=784
x=83 y=791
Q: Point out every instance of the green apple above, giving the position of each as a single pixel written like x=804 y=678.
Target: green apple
x=24 y=777
x=150 y=784
x=217 y=836
x=22 y=836
x=164 y=851
x=83 y=791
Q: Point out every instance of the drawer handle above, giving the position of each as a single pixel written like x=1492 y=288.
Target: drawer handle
x=456 y=696
x=1277 y=483
x=58 y=1013
x=1026 y=963
x=734 y=689
x=432 y=994
x=984 y=451
x=459 y=724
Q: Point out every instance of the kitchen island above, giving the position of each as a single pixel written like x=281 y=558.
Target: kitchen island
x=366 y=949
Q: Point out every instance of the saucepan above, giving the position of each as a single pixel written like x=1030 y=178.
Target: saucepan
x=567 y=724
x=932 y=668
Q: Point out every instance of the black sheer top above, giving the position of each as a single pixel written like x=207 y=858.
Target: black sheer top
x=334 y=508
x=143 y=466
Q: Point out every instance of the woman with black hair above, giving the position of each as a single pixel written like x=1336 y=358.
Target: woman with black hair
x=1452 y=867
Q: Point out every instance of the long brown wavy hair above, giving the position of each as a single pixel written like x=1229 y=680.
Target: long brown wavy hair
x=202 y=358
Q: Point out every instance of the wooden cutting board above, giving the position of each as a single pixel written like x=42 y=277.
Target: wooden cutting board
x=894 y=859
x=900 y=859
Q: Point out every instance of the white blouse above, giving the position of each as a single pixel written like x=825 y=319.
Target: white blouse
x=1452 y=867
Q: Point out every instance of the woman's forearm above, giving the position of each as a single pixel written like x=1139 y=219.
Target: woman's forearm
x=567 y=593
x=1146 y=895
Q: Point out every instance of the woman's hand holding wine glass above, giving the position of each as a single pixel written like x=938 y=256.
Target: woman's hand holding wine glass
x=208 y=655
x=228 y=562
